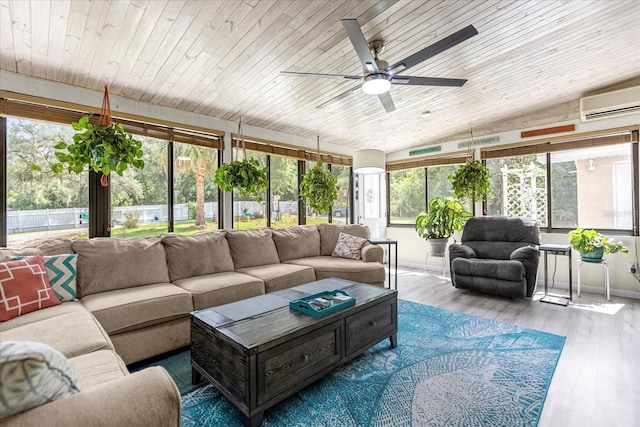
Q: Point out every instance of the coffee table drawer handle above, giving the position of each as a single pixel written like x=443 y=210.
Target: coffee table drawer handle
x=305 y=357
x=372 y=323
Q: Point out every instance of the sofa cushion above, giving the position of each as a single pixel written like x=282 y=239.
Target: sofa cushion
x=32 y=374
x=202 y=253
x=349 y=246
x=98 y=367
x=109 y=263
x=349 y=269
x=220 y=288
x=329 y=235
x=133 y=308
x=7 y=254
x=55 y=246
x=24 y=287
x=252 y=247
x=61 y=272
x=301 y=241
x=281 y=276
x=68 y=327
x=495 y=269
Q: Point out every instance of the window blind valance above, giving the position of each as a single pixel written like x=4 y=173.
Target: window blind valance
x=33 y=111
x=266 y=147
x=572 y=142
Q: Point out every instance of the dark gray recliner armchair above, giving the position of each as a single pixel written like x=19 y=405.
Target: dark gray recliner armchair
x=497 y=255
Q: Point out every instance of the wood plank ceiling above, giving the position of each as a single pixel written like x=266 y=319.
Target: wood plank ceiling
x=222 y=58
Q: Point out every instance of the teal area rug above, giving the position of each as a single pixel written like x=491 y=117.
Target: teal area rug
x=449 y=369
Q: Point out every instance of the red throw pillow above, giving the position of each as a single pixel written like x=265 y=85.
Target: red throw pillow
x=24 y=287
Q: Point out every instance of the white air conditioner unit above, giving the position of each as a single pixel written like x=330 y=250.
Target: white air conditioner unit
x=610 y=104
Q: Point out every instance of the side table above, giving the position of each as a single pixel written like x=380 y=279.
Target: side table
x=389 y=242
x=557 y=250
x=606 y=273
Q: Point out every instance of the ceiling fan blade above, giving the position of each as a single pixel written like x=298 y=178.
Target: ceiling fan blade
x=387 y=102
x=339 y=97
x=427 y=81
x=360 y=44
x=434 y=49
x=317 y=75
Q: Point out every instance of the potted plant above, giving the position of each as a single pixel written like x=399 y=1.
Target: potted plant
x=319 y=188
x=444 y=216
x=471 y=180
x=104 y=148
x=592 y=245
x=246 y=175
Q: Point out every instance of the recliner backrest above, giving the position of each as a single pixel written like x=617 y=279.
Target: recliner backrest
x=496 y=237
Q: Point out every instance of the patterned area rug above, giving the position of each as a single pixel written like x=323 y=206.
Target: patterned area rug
x=449 y=369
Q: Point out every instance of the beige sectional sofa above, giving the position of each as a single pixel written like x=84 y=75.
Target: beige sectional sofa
x=135 y=297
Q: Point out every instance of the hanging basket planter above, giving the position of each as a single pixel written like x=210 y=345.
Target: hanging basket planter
x=245 y=175
x=105 y=147
x=319 y=187
x=473 y=179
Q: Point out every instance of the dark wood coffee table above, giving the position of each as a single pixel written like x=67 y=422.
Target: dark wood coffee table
x=258 y=351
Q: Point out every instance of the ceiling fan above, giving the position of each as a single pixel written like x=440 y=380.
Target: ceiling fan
x=378 y=75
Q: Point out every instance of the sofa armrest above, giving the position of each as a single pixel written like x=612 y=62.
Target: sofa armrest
x=144 y=398
x=372 y=253
x=530 y=257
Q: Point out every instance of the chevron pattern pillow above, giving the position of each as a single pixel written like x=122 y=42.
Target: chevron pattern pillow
x=61 y=271
x=32 y=374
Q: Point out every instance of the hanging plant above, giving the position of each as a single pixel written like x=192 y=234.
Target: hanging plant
x=245 y=175
x=471 y=180
x=103 y=146
x=319 y=188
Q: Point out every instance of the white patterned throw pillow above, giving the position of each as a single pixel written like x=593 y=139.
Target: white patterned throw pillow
x=61 y=271
x=349 y=246
x=32 y=374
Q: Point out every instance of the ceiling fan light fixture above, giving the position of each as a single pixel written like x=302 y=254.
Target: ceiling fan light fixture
x=375 y=84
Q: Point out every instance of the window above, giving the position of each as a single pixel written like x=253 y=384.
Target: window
x=409 y=191
x=139 y=205
x=590 y=180
x=341 y=212
x=249 y=211
x=195 y=195
x=284 y=191
x=42 y=204
x=407 y=195
x=518 y=187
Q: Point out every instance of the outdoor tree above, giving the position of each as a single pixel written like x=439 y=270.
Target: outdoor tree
x=201 y=162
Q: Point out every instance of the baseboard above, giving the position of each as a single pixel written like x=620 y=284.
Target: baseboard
x=590 y=289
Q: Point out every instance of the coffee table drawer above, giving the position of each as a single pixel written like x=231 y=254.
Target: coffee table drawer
x=369 y=325
x=298 y=361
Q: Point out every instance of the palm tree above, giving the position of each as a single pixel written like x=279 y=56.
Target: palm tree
x=202 y=161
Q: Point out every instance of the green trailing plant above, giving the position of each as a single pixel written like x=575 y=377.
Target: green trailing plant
x=245 y=175
x=585 y=241
x=102 y=148
x=444 y=216
x=319 y=188
x=471 y=180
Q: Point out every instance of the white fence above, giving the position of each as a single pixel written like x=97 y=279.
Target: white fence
x=23 y=221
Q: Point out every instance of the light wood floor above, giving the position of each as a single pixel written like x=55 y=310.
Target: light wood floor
x=597 y=380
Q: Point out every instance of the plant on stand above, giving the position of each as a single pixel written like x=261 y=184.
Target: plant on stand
x=592 y=244
x=444 y=216
x=319 y=188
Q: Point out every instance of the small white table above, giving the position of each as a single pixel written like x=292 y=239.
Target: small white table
x=601 y=262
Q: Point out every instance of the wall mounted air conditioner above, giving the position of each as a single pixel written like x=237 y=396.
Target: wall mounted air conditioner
x=610 y=104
